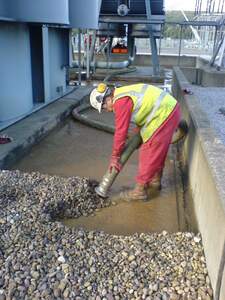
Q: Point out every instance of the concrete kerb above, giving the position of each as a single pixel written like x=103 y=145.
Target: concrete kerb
x=79 y=93
x=205 y=156
x=32 y=129
x=205 y=76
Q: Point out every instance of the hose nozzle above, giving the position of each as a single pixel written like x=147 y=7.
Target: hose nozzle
x=108 y=179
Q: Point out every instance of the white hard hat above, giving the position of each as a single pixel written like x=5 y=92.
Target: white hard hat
x=97 y=96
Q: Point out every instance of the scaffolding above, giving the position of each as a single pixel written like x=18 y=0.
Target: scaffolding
x=212 y=11
x=209 y=7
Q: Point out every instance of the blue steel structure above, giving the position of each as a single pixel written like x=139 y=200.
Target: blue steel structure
x=35 y=50
x=41 y=11
x=34 y=55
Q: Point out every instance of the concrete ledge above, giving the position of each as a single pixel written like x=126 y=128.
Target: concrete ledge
x=204 y=160
x=205 y=76
x=212 y=77
x=166 y=60
x=202 y=60
x=32 y=129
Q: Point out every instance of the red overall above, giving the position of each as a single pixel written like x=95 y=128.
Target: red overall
x=152 y=154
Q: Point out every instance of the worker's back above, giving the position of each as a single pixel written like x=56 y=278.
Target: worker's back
x=145 y=99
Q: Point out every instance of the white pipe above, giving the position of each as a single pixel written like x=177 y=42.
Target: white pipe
x=195 y=32
x=110 y=64
x=103 y=64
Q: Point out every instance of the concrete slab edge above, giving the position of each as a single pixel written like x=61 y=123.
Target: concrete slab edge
x=214 y=157
x=45 y=120
x=213 y=147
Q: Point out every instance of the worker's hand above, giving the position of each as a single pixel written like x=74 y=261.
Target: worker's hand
x=115 y=163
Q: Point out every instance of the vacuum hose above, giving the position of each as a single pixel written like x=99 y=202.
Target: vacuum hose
x=179 y=134
x=76 y=113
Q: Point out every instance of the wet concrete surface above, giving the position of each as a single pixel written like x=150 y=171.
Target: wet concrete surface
x=78 y=150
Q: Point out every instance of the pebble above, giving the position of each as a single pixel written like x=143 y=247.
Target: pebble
x=41 y=258
x=35 y=274
x=197 y=239
x=155 y=287
x=66 y=293
x=131 y=258
x=56 y=292
x=65 y=268
x=62 y=285
x=61 y=259
x=92 y=270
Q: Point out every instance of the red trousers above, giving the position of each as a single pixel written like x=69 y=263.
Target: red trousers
x=152 y=154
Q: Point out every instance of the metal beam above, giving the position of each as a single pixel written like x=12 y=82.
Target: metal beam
x=155 y=59
x=196 y=23
x=46 y=63
x=155 y=21
x=130 y=20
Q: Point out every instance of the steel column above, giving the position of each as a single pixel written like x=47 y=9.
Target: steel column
x=70 y=48
x=160 y=39
x=46 y=64
x=155 y=59
x=215 y=38
x=79 y=56
x=180 y=44
x=88 y=56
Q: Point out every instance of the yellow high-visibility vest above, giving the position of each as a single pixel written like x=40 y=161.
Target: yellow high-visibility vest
x=151 y=106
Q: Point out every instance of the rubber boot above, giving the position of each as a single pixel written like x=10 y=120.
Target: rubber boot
x=138 y=193
x=156 y=184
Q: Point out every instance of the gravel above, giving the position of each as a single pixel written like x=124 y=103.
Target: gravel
x=40 y=258
x=212 y=100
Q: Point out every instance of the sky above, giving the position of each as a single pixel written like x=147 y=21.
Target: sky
x=180 y=4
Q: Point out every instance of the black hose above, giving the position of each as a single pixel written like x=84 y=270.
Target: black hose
x=180 y=133
x=76 y=113
x=125 y=71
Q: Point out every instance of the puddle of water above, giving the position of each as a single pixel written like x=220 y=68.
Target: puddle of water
x=127 y=218
x=78 y=150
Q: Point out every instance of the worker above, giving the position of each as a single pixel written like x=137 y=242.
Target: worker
x=156 y=115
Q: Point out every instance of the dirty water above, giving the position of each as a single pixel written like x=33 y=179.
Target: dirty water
x=77 y=150
x=127 y=218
